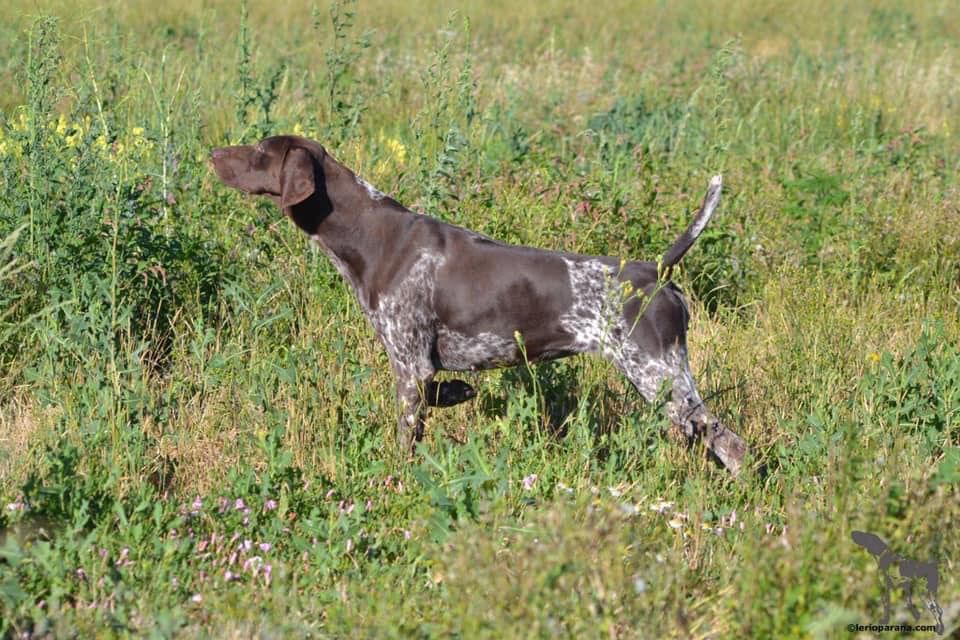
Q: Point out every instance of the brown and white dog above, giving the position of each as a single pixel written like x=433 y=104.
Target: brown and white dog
x=441 y=297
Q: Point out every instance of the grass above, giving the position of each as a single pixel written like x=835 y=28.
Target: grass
x=196 y=422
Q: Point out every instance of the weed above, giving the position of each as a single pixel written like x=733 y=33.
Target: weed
x=345 y=102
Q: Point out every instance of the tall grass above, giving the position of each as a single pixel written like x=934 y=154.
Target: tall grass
x=196 y=421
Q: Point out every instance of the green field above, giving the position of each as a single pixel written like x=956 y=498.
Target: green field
x=197 y=422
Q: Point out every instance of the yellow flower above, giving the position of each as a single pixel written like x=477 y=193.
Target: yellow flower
x=297 y=130
x=138 y=140
x=22 y=122
x=396 y=148
x=61 y=125
x=873 y=357
x=101 y=141
x=11 y=147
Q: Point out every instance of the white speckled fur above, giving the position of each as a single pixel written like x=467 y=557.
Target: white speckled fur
x=373 y=192
x=709 y=207
x=405 y=321
x=460 y=352
x=596 y=304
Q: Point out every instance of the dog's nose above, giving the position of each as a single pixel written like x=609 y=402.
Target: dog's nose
x=216 y=154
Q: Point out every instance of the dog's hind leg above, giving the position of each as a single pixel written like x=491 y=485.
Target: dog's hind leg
x=685 y=407
x=688 y=411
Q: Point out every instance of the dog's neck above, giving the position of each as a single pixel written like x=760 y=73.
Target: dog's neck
x=357 y=227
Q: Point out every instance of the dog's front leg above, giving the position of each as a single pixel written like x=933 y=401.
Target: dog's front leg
x=887 y=589
x=412 y=407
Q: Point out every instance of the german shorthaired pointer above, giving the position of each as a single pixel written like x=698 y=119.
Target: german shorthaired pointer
x=441 y=297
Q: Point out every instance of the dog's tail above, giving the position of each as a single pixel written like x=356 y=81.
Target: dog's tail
x=688 y=237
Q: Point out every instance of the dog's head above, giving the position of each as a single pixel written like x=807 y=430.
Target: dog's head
x=287 y=169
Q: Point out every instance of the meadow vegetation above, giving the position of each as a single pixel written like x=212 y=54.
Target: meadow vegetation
x=197 y=424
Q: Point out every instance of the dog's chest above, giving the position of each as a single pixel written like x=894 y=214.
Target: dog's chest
x=404 y=318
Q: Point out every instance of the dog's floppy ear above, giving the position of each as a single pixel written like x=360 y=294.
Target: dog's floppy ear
x=298 y=177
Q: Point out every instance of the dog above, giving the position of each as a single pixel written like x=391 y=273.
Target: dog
x=910 y=571
x=441 y=297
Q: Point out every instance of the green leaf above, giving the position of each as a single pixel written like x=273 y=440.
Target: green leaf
x=948 y=471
